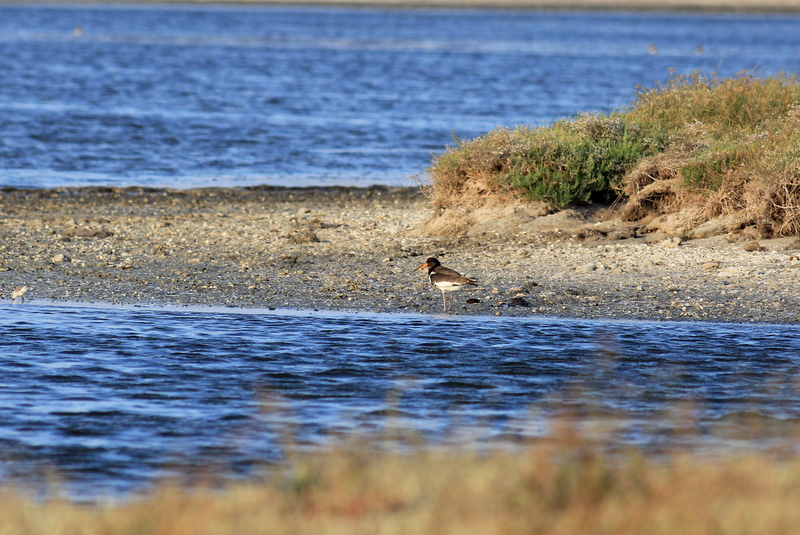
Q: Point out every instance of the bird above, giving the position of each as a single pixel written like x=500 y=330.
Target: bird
x=19 y=293
x=444 y=278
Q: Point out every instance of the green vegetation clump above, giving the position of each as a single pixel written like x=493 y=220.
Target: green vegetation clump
x=572 y=160
x=698 y=143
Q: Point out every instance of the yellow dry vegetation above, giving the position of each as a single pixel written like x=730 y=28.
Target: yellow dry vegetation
x=568 y=488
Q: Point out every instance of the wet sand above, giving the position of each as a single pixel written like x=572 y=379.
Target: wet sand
x=357 y=249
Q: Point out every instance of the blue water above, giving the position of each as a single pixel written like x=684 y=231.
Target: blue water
x=114 y=398
x=185 y=96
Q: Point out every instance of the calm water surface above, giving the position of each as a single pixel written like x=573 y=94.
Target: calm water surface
x=196 y=96
x=115 y=397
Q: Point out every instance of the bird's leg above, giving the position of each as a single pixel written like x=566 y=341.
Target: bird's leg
x=444 y=300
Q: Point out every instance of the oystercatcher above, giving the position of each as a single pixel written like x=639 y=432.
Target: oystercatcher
x=446 y=279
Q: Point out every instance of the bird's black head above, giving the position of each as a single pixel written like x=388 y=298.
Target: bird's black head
x=430 y=263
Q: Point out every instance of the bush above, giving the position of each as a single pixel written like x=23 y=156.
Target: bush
x=571 y=161
x=721 y=145
x=733 y=149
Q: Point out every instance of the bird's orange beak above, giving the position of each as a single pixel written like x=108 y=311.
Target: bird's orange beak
x=422 y=266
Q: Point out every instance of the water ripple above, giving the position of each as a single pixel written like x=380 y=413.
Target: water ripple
x=117 y=396
x=192 y=96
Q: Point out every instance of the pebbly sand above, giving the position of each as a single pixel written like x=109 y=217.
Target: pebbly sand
x=357 y=250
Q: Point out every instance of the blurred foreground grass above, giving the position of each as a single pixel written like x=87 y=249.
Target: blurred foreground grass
x=568 y=486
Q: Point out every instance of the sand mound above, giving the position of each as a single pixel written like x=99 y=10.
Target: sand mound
x=492 y=217
x=655 y=198
x=519 y=219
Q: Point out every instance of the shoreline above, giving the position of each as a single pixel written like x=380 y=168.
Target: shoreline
x=356 y=249
x=358 y=313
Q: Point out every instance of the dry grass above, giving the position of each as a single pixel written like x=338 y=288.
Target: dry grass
x=733 y=152
x=568 y=488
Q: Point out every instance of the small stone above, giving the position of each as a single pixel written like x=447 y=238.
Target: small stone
x=59 y=258
x=711 y=265
x=586 y=268
x=670 y=242
x=656 y=237
x=303 y=236
x=86 y=232
x=753 y=246
x=735 y=236
x=83 y=233
x=622 y=234
x=528 y=286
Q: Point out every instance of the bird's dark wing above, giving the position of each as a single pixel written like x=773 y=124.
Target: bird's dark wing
x=443 y=274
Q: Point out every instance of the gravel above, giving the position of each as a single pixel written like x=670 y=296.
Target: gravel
x=355 y=249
